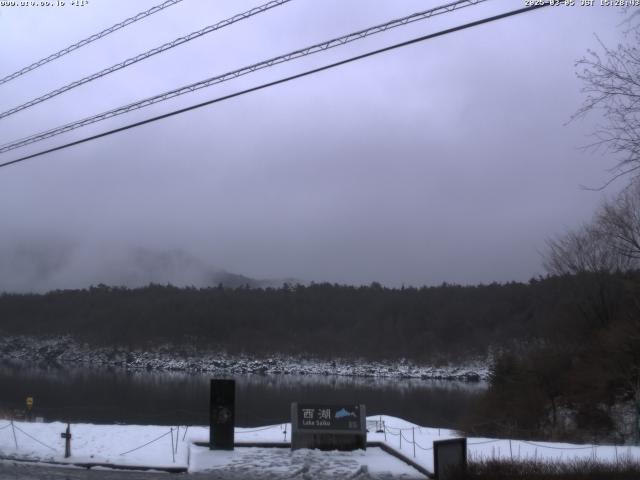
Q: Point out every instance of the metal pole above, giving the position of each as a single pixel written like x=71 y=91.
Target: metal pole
x=177 y=437
x=400 y=439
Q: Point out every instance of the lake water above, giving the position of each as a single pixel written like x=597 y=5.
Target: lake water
x=170 y=398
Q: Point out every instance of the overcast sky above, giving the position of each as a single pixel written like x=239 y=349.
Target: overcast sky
x=444 y=161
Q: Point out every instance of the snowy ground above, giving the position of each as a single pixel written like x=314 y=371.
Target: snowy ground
x=163 y=447
x=65 y=350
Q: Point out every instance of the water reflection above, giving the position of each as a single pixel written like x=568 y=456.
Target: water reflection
x=109 y=395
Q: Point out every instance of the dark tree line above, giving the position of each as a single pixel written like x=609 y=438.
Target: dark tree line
x=575 y=381
x=567 y=382
x=443 y=323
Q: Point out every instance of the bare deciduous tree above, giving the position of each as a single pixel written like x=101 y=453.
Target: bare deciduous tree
x=609 y=243
x=585 y=250
x=619 y=221
x=611 y=80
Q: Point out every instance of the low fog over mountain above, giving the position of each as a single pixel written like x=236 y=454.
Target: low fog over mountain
x=41 y=266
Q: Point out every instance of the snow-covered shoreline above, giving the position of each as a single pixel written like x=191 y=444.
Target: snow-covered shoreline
x=162 y=447
x=65 y=350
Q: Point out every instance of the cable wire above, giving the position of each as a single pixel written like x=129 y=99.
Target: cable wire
x=143 y=56
x=88 y=40
x=351 y=37
x=277 y=82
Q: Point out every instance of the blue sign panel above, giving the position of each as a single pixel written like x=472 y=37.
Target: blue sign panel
x=329 y=417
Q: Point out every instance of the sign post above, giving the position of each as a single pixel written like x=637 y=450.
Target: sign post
x=29 y=404
x=449 y=458
x=222 y=418
x=328 y=427
x=67 y=443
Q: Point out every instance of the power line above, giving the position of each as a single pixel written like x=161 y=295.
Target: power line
x=282 y=80
x=88 y=40
x=319 y=47
x=143 y=56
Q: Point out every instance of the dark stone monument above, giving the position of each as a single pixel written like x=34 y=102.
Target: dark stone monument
x=328 y=427
x=222 y=414
x=449 y=456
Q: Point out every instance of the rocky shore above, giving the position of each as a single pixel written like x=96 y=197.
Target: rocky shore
x=66 y=350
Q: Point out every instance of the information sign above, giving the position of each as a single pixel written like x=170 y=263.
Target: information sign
x=329 y=417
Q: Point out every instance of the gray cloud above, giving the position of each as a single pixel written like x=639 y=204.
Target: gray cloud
x=444 y=161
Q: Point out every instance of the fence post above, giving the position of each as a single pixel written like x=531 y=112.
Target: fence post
x=14 y=434
x=67 y=441
x=173 y=454
x=384 y=427
x=177 y=437
x=185 y=432
x=510 y=450
x=400 y=438
x=413 y=434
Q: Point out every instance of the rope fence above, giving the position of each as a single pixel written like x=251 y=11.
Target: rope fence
x=32 y=437
x=258 y=429
x=426 y=449
x=381 y=427
x=558 y=448
x=399 y=432
x=486 y=441
x=411 y=441
x=170 y=432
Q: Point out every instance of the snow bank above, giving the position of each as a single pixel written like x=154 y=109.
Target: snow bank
x=152 y=446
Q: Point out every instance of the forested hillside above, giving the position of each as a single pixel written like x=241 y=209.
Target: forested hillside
x=441 y=323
